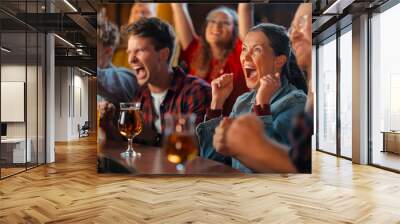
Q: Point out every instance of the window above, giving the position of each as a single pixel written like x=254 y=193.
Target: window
x=385 y=87
x=346 y=93
x=327 y=96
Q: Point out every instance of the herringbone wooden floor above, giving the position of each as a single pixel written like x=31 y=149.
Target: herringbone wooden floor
x=70 y=191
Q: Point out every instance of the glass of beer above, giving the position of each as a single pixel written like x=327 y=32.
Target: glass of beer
x=130 y=125
x=179 y=139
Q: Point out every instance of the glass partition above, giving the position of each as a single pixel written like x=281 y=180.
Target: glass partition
x=22 y=89
x=41 y=86
x=31 y=98
x=14 y=151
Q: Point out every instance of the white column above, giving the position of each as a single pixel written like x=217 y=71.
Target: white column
x=360 y=90
x=50 y=100
x=50 y=92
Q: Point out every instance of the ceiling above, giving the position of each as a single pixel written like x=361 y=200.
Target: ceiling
x=331 y=15
x=16 y=16
x=21 y=20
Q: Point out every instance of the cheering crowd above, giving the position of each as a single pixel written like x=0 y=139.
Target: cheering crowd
x=248 y=84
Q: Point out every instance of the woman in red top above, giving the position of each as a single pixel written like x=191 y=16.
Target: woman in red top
x=217 y=50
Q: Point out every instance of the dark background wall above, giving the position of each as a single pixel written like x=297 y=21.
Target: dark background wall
x=281 y=14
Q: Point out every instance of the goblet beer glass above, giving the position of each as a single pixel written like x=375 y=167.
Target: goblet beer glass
x=130 y=125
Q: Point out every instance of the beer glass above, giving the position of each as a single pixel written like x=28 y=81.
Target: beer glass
x=179 y=139
x=130 y=125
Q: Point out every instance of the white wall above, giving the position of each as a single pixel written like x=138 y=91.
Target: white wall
x=81 y=103
x=71 y=94
x=61 y=103
x=14 y=73
x=33 y=127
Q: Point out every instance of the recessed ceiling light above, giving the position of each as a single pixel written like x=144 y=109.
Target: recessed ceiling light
x=65 y=41
x=70 y=5
x=337 y=7
x=84 y=71
x=5 y=49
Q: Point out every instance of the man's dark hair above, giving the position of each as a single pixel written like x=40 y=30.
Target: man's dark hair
x=160 y=32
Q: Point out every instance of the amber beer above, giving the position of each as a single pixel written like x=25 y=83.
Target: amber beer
x=130 y=122
x=130 y=125
x=179 y=139
x=180 y=148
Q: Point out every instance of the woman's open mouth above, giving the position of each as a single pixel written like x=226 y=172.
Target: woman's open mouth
x=250 y=72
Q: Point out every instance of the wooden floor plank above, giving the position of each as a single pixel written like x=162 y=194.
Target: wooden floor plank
x=71 y=191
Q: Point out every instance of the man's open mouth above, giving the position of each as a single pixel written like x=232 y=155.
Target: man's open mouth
x=139 y=71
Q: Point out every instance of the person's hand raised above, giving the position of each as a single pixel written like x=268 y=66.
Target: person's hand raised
x=269 y=84
x=222 y=87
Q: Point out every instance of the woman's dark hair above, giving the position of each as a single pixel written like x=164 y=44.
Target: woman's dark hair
x=280 y=43
x=203 y=59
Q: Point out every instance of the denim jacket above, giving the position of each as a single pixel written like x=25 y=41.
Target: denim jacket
x=116 y=84
x=285 y=104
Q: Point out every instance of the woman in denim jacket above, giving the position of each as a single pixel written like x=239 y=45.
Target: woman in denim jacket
x=277 y=91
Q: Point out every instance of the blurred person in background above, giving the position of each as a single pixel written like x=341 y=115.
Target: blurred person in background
x=114 y=84
x=145 y=10
x=142 y=10
x=216 y=51
x=137 y=11
x=244 y=138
